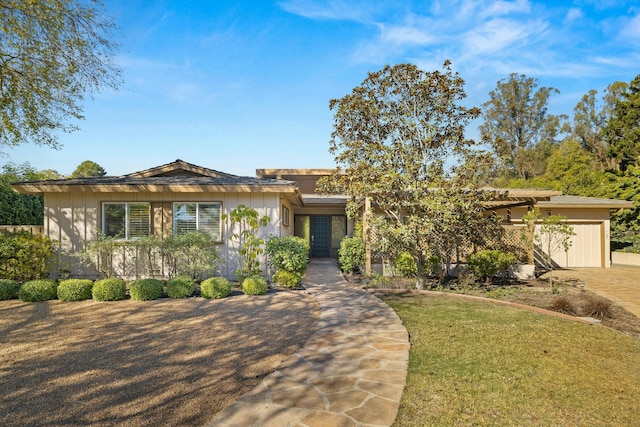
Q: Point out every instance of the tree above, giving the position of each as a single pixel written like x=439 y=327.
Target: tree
x=52 y=52
x=21 y=209
x=393 y=138
x=590 y=118
x=518 y=127
x=622 y=132
x=552 y=237
x=88 y=169
x=250 y=246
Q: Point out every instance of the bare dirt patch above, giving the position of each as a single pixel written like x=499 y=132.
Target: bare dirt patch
x=135 y=363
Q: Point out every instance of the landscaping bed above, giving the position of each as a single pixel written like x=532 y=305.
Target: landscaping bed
x=160 y=362
x=566 y=297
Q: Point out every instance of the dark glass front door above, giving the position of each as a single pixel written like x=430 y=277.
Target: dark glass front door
x=320 y=236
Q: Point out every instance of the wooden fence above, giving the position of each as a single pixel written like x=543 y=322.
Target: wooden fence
x=33 y=229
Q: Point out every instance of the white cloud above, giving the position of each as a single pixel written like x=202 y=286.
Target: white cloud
x=499 y=34
x=503 y=8
x=404 y=35
x=573 y=14
x=331 y=9
x=631 y=29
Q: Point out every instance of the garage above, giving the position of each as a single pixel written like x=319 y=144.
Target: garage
x=587 y=247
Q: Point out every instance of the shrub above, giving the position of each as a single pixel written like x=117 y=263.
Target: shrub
x=351 y=255
x=191 y=254
x=215 y=287
x=75 y=289
x=290 y=254
x=254 y=285
x=287 y=279
x=181 y=287
x=109 y=290
x=488 y=263
x=25 y=256
x=38 y=290
x=146 y=289
x=597 y=307
x=563 y=304
x=406 y=265
x=8 y=289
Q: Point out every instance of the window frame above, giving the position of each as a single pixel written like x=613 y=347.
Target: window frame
x=174 y=227
x=285 y=216
x=127 y=219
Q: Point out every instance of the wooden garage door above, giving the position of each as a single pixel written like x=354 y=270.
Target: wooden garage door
x=587 y=248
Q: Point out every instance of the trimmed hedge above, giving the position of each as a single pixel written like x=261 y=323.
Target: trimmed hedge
x=75 y=289
x=146 y=289
x=181 y=287
x=109 y=290
x=38 y=290
x=254 y=285
x=287 y=279
x=215 y=287
x=8 y=289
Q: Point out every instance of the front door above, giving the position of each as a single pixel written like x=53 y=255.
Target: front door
x=320 y=236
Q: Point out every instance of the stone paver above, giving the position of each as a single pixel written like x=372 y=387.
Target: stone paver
x=351 y=371
x=620 y=284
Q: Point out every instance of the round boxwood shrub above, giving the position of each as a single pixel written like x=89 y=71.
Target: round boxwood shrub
x=146 y=289
x=181 y=287
x=287 y=279
x=75 y=289
x=109 y=290
x=38 y=290
x=215 y=287
x=254 y=285
x=8 y=289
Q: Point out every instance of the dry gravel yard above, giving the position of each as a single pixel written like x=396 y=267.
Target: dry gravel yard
x=134 y=363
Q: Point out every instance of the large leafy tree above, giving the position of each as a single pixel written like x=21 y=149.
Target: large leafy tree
x=52 y=53
x=622 y=132
x=88 y=168
x=394 y=137
x=518 y=126
x=590 y=117
x=21 y=209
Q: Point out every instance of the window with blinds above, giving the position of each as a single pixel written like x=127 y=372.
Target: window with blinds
x=206 y=217
x=126 y=220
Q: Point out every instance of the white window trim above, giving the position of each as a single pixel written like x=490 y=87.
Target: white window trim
x=127 y=227
x=213 y=202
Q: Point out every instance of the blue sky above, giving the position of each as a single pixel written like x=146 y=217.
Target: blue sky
x=240 y=85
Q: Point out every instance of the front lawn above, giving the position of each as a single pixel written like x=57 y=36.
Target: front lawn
x=476 y=363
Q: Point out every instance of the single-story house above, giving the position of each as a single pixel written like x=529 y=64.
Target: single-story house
x=178 y=196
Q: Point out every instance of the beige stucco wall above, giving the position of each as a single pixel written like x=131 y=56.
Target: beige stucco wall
x=74 y=217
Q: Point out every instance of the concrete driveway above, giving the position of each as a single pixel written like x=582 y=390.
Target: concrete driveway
x=620 y=284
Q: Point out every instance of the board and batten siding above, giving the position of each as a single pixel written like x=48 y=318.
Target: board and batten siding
x=72 y=218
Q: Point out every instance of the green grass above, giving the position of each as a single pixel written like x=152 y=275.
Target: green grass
x=476 y=363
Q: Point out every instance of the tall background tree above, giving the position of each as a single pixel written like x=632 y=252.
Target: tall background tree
x=622 y=131
x=518 y=127
x=17 y=208
x=52 y=53
x=88 y=168
x=392 y=139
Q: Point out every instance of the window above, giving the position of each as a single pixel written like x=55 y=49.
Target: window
x=285 y=216
x=205 y=217
x=126 y=220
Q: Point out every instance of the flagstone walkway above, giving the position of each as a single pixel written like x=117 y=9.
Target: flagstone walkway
x=351 y=371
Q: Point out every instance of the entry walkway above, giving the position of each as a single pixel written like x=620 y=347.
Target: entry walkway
x=351 y=371
x=620 y=284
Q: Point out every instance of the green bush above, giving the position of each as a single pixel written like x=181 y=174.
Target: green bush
x=25 y=256
x=215 y=287
x=287 y=279
x=406 y=265
x=181 y=287
x=75 y=289
x=8 y=289
x=109 y=290
x=489 y=263
x=351 y=255
x=38 y=290
x=254 y=285
x=290 y=253
x=146 y=289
